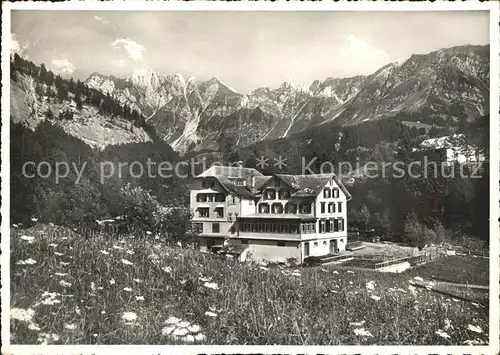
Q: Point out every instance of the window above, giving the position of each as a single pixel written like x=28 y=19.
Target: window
x=340 y=206
x=327 y=193
x=341 y=240
x=294 y=229
x=270 y=194
x=201 y=198
x=215 y=228
x=263 y=208
x=244 y=241
x=291 y=208
x=204 y=184
x=331 y=207
x=306 y=209
x=220 y=212
x=335 y=192
x=327 y=226
x=281 y=244
x=322 y=226
x=240 y=182
x=324 y=242
x=203 y=211
x=212 y=184
x=315 y=244
x=322 y=207
x=232 y=230
x=335 y=225
x=313 y=227
x=286 y=228
x=198 y=227
x=220 y=198
x=277 y=208
x=341 y=224
x=284 y=194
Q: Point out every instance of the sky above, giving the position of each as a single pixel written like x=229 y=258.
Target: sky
x=246 y=50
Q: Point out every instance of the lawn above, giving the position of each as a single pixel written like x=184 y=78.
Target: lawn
x=72 y=289
x=456 y=268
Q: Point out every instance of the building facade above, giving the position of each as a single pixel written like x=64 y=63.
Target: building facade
x=277 y=217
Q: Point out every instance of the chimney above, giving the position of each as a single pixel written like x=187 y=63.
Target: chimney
x=251 y=181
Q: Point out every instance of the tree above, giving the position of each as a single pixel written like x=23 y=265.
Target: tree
x=364 y=216
x=383 y=222
x=78 y=100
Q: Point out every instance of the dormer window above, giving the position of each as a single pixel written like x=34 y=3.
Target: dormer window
x=240 y=182
x=270 y=194
x=327 y=193
x=284 y=194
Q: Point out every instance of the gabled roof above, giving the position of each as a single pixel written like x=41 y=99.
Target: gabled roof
x=311 y=185
x=227 y=176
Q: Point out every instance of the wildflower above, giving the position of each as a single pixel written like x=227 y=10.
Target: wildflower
x=447 y=324
x=189 y=338
x=376 y=298
x=49 y=299
x=194 y=328
x=148 y=232
x=139 y=298
x=474 y=328
x=117 y=247
x=335 y=272
x=211 y=285
x=263 y=268
x=112 y=281
x=137 y=280
x=64 y=263
x=370 y=285
x=46 y=338
x=33 y=326
x=179 y=332
x=26 y=262
x=126 y=262
x=70 y=326
x=132 y=236
x=103 y=312
x=130 y=252
x=128 y=289
x=28 y=238
x=167 y=330
x=167 y=269
x=58 y=254
x=64 y=283
x=53 y=245
x=199 y=337
x=129 y=316
x=350 y=272
x=418 y=278
x=442 y=334
x=357 y=324
x=104 y=252
x=15 y=225
x=474 y=342
x=34 y=219
x=22 y=315
x=205 y=279
x=362 y=332
x=210 y=314
x=173 y=320
x=179 y=244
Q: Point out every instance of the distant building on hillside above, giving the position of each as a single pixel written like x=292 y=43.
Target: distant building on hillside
x=448 y=149
x=277 y=217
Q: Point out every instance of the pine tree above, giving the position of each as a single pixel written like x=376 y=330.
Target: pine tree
x=78 y=100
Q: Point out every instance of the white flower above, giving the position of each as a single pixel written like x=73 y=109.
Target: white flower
x=26 y=262
x=33 y=326
x=139 y=298
x=104 y=252
x=129 y=316
x=130 y=252
x=296 y=274
x=64 y=283
x=70 y=326
x=189 y=338
x=183 y=324
x=128 y=289
x=179 y=332
x=370 y=285
x=23 y=315
x=53 y=245
x=34 y=219
x=126 y=262
x=173 y=320
x=167 y=330
x=194 y=328
x=263 y=268
x=376 y=298
x=112 y=281
x=211 y=285
x=64 y=263
x=357 y=324
x=474 y=342
x=442 y=334
x=447 y=324
x=46 y=338
x=137 y=280
x=474 y=328
x=199 y=337
x=167 y=269
x=350 y=272
x=28 y=238
x=179 y=244
x=117 y=247
x=362 y=332
x=58 y=254
x=418 y=278
x=148 y=232
x=49 y=299
x=15 y=225
x=210 y=314
x=205 y=279
x=335 y=272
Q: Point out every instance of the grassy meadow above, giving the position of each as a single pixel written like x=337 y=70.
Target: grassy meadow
x=96 y=289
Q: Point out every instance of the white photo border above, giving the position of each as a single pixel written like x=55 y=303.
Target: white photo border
x=494 y=319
